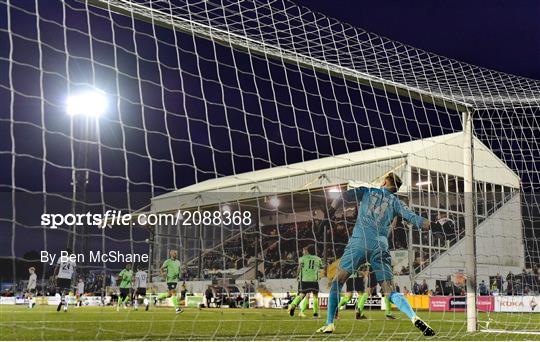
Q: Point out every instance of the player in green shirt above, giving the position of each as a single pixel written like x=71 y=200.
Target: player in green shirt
x=309 y=266
x=125 y=277
x=171 y=271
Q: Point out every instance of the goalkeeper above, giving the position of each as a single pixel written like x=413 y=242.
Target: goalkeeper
x=377 y=207
x=309 y=266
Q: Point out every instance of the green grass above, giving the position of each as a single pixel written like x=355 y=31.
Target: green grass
x=92 y=323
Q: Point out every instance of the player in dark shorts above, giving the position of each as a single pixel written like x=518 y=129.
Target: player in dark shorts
x=141 y=278
x=63 y=272
x=309 y=267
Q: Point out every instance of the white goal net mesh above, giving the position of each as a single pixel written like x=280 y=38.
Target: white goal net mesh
x=273 y=110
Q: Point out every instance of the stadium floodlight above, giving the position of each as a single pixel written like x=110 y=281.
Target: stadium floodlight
x=334 y=192
x=90 y=104
x=423 y=183
x=274 y=201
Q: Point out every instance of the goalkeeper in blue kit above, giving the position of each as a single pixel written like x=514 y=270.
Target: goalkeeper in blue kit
x=377 y=207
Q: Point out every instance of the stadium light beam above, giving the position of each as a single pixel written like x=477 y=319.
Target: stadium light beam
x=274 y=201
x=423 y=183
x=334 y=192
x=91 y=104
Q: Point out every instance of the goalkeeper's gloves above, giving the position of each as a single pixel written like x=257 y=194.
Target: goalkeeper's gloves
x=430 y=225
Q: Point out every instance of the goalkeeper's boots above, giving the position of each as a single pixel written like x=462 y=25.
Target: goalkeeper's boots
x=315 y=314
x=178 y=310
x=327 y=329
x=390 y=317
x=301 y=314
x=291 y=310
x=423 y=327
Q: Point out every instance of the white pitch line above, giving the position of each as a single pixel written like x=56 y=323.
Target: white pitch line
x=517 y=332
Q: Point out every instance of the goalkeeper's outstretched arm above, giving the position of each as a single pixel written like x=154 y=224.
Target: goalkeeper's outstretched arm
x=418 y=221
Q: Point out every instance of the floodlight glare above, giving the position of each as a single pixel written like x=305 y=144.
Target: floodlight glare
x=423 y=183
x=334 y=192
x=91 y=104
x=226 y=208
x=274 y=201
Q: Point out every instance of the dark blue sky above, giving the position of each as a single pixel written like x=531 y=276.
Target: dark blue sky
x=184 y=110
x=496 y=34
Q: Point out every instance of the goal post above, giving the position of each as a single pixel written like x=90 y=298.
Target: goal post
x=470 y=236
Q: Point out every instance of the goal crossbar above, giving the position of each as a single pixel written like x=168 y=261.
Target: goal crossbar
x=261 y=48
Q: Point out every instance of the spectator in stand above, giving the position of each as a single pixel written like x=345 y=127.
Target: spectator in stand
x=526 y=291
x=406 y=290
x=494 y=289
x=424 y=288
x=438 y=290
x=416 y=288
x=482 y=288
x=510 y=288
x=398 y=289
x=500 y=281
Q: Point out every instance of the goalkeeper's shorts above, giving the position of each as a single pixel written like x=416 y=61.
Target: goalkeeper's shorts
x=360 y=250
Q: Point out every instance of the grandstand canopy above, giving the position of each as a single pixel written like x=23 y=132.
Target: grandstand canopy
x=443 y=154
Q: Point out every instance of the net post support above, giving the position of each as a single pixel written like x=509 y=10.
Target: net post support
x=470 y=238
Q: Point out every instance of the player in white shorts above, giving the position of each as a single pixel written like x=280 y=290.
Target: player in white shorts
x=79 y=291
x=31 y=287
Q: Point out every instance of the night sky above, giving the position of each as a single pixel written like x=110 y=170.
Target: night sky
x=499 y=35
x=183 y=110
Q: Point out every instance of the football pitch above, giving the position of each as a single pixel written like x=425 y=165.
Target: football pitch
x=98 y=323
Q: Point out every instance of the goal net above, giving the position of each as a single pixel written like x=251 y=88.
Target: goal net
x=227 y=129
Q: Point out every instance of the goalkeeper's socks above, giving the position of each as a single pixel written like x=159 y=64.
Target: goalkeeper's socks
x=333 y=301
x=402 y=304
x=344 y=300
x=304 y=304
x=163 y=296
